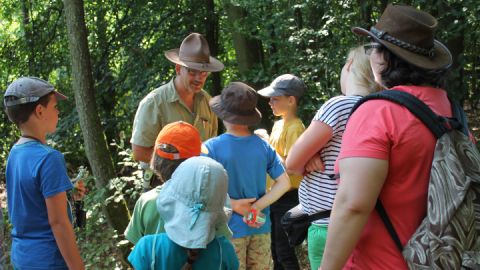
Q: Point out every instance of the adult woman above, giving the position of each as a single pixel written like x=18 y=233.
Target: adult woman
x=317 y=189
x=386 y=151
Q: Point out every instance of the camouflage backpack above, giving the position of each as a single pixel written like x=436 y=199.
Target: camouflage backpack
x=449 y=235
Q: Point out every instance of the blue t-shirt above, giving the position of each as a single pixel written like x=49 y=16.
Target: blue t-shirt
x=247 y=161
x=34 y=172
x=169 y=255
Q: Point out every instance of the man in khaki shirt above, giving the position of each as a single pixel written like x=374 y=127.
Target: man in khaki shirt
x=182 y=99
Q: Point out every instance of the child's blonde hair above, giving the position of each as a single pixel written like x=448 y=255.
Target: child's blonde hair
x=361 y=70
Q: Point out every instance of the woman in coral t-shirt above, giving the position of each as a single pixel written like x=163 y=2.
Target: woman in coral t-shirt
x=386 y=151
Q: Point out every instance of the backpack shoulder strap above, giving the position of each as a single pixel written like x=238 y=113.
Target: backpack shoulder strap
x=388 y=224
x=433 y=122
x=319 y=215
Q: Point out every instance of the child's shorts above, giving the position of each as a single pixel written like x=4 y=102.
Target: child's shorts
x=253 y=251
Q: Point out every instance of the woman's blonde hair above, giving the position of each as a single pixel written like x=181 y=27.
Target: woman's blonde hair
x=362 y=71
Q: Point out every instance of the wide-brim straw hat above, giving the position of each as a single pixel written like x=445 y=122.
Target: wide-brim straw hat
x=194 y=53
x=237 y=105
x=409 y=34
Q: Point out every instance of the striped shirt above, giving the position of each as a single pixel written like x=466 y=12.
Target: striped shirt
x=317 y=189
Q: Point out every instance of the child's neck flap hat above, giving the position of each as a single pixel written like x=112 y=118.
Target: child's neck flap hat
x=181 y=135
x=29 y=89
x=237 y=105
x=284 y=85
x=191 y=202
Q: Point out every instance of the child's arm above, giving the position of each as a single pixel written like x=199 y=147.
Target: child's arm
x=63 y=231
x=281 y=185
x=242 y=206
x=309 y=143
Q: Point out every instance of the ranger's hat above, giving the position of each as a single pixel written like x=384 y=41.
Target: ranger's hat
x=194 y=53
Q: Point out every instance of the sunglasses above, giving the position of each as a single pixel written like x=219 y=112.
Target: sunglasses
x=369 y=47
x=194 y=72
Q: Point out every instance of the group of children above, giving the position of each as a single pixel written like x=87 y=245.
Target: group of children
x=200 y=216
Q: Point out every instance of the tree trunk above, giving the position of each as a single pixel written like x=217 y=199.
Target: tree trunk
x=365 y=12
x=28 y=29
x=249 y=53
x=93 y=136
x=455 y=84
x=248 y=50
x=103 y=75
x=211 y=34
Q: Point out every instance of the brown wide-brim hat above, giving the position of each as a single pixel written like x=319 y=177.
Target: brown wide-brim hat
x=194 y=53
x=409 y=34
x=237 y=105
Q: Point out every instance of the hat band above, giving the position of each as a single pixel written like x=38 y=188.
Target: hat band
x=19 y=101
x=238 y=112
x=200 y=60
x=402 y=44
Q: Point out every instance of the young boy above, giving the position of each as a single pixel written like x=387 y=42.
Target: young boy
x=37 y=181
x=247 y=159
x=284 y=93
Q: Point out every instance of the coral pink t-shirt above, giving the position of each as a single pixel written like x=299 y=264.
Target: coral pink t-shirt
x=384 y=130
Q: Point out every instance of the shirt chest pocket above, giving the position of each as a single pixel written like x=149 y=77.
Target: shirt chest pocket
x=203 y=124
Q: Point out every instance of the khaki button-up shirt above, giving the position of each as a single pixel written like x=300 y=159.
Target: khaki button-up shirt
x=163 y=106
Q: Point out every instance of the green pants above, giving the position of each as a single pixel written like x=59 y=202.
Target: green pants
x=317 y=238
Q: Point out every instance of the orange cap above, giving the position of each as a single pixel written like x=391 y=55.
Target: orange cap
x=181 y=135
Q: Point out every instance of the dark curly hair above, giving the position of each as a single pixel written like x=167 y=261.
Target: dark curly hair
x=400 y=72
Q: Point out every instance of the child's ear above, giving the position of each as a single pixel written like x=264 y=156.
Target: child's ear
x=291 y=100
x=39 y=109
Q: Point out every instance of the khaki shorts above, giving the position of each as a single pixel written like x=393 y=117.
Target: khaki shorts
x=253 y=251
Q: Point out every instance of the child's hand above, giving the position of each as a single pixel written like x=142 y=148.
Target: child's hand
x=79 y=190
x=242 y=206
x=315 y=164
x=254 y=218
x=262 y=133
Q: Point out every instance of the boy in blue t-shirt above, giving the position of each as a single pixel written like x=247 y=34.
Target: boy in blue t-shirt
x=247 y=159
x=37 y=181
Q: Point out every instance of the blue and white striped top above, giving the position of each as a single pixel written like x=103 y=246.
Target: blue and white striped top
x=317 y=189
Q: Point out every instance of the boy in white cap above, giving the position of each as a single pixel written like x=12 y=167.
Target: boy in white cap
x=191 y=204
x=37 y=181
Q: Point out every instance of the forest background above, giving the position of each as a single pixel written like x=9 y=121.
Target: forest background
x=106 y=55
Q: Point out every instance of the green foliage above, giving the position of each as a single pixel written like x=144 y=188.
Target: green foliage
x=98 y=241
x=5 y=240
x=127 y=40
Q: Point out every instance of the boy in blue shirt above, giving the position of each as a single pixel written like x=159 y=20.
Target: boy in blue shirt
x=37 y=181
x=247 y=159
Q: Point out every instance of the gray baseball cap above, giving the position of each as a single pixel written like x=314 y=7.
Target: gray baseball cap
x=284 y=85
x=29 y=89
